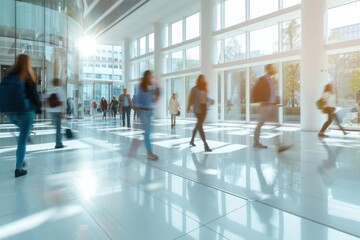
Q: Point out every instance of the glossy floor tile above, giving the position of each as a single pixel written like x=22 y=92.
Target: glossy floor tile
x=101 y=186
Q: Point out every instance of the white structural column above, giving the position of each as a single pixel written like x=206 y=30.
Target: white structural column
x=125 y=61
x=313 y=78
x=207 y=56
x=160 y=110
x=313 y=61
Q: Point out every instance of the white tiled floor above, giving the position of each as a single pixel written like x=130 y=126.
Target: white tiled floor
x=93 y=190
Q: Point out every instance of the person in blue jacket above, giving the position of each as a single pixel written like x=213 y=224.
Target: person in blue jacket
x=143 y=102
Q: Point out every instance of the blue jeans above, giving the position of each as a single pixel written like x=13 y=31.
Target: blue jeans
x=57 y=120
x=24 y=121
x=145 y=117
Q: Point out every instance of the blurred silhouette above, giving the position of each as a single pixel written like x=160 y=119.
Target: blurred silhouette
x=104 y=106
x=198 y=98
x=56 y=102
x=20 y=101
x=328 y=166
x=114 y=107
x=93 y=108
x=143 y=102
x=264 y=92
x=125 y=104
x=174 y=109
x=329 y=108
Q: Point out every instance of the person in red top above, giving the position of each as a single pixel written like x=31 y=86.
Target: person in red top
x=104 y=107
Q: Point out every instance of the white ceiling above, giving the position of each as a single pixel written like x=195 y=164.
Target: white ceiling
x=142 y=20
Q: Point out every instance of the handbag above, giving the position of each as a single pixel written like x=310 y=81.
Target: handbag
x=53 y=101
x=69 y=133
x=178 y=113
x=320 y=103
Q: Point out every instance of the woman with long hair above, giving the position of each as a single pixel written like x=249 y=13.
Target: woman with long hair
x=329 y=108
x=198 y=99
x=25 y=118
x=144 y=104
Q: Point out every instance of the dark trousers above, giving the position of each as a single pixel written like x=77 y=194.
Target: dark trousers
x=126 y=113
x=330 y=111
x=199 y=125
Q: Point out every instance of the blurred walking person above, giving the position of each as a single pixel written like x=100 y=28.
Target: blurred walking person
x=329 y=108
x=114 y=107
x=125 y=107
x=56 y=102
x=20 y=101
x=264 y=93
x=198 y=99
x=173 y=108
x=104 y=106
x=93 y=108
x=144 y=102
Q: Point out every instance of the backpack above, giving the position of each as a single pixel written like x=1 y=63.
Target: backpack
x=53 y=100
x=12 y=95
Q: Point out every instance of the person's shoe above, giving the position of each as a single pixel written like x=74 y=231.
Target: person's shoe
x=59 y=146
x=192 y=144
x=207 y=149
x=259 y=145
x=152 y=156
x=20 y=172
x=322 y=135
x=283 y=148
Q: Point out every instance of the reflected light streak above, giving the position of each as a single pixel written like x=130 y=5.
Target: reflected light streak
x=86 y=184
x=35 y=220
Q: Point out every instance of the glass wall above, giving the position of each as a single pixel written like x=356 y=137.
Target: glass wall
x=48 y=31
x=102 y=74
x=235 y=94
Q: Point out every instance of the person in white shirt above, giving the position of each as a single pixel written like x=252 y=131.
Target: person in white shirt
x=329 y=108
x=173 y=108
x=57 y=109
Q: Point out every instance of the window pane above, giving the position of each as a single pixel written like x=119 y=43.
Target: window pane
x=135 y=48
x=151 y=42
x=166 y=33
x=291 y=38
x=143 y=45
x=235 y=95
x=142 y=68
x=289 y=3
x=234 y=12
x=219 y=52
x=342 y=28
x=193 y=57
x=291 y=91
x=193 y=26
x=177 y=32
x=262 y=7
x=190 y=82
x=264 y=41
x=345 y=76
x=151 y=65
x=235 y=48
x=177 y=61
x=218 y=17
